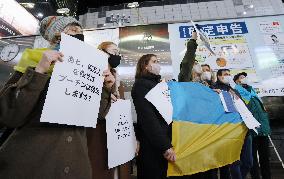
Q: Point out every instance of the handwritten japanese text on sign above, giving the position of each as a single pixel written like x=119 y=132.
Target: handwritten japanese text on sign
x=159 y=96
x=75 y=87
x=121 y=140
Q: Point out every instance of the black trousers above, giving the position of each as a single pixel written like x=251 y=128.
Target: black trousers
x=260 y=144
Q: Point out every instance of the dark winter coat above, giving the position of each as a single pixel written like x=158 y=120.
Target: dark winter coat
x=187 y=63
x=257 y=109
x=38 y=150
x=152 y=131
x=221 y=86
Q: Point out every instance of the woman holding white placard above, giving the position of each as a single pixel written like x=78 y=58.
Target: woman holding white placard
x=36 y=149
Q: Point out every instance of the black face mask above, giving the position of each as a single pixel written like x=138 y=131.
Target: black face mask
x=114 y=60
x=78 y=36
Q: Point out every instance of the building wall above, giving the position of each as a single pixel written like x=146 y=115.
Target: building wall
x=182 y=10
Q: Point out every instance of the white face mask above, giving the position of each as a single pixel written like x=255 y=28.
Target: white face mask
x=206 y=75
x=227 y=79
x=244 y=81
x=155 y=68
x=197 y=68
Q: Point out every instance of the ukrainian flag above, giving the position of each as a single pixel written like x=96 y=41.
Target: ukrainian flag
x=204 y=136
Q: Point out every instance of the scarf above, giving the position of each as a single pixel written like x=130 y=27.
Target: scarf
x=31 y=58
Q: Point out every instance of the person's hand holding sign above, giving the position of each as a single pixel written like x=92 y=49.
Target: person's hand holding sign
x=109 y=79
x=49 y=57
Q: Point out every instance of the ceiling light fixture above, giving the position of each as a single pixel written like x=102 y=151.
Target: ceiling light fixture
x=63 y=11
x=29 y=5
x=133 y=5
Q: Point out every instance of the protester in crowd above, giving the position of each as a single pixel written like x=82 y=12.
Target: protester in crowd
x=239 y=169
x=112 y=49
x=260 y=140
x=189 y=68
x=196 y=72
x=44 y=150
x=207 y=76
x=152 y=130
x=223 y=81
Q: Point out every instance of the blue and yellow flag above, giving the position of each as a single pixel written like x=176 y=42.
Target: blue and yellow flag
x=204 y=136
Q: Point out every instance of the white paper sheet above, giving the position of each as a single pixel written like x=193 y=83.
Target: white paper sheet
x=159 y=96
x=75 y=88
x=246 y=115
x=121 y=140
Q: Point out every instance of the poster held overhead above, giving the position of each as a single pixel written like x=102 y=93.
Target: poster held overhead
x=75 y=87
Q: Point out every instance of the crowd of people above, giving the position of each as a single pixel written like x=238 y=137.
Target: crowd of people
x=31 y=149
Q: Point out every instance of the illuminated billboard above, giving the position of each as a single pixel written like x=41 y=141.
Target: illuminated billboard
x=17 y=18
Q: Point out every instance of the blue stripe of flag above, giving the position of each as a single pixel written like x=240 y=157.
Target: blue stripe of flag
x=194 y=102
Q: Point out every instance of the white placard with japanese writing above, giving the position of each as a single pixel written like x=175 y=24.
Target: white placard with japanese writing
x=75 y=88
x=159 y=96
x=121 y=140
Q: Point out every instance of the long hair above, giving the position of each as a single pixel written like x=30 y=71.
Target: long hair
x=141 y=65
